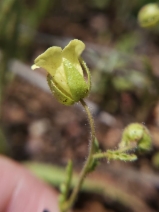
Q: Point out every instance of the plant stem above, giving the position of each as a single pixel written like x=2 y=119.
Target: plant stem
x=107 y=153
x=83 y=173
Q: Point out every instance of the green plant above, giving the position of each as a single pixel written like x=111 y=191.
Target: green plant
x=66 y=79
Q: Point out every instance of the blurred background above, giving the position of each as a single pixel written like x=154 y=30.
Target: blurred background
x=123 y=59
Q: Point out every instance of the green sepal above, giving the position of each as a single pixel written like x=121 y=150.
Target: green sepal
x=60 y=96
x=85 y=68
x=76 y=82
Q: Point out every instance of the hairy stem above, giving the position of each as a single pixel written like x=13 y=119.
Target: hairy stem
x=83 y=173
x=106 y=154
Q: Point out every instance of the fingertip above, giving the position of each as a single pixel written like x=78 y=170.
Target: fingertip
x=21 y=191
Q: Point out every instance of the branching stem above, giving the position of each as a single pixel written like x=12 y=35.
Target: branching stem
x=107 y=153
x=67 y=205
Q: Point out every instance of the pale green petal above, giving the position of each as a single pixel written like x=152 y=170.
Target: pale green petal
x=59 y=95
x=50 y=60
x=33 y=67
x=61 y=81
x=72 y=52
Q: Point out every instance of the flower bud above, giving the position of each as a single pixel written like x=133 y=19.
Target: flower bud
x=149 y=15
x=65 y=72
x=138 y=134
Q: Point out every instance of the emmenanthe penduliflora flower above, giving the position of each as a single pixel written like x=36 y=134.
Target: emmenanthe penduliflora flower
x=65 y=72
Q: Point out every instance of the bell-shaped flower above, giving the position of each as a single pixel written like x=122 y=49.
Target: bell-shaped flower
x=65 y=72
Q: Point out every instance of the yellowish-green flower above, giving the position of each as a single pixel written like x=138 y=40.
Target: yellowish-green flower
x=65 y=72
x=149 y=15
